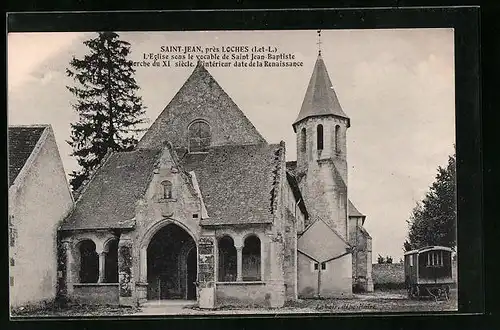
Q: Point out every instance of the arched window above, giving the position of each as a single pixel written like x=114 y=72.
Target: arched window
x=111 y=262
x=167 y=189
x=319 y=135
x=337 y=137
x=227 y=260
x=199 y=136
x=89 y=262
x=303 y=139
x=251 y=259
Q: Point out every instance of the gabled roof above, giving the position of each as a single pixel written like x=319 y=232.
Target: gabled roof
x=364 y=232
x=320 y=241
x=320 y=98
x=22 y=141
x=201 y=97
x=330 y=227
x=238 y=183
x=109 y=199
x=353 y=211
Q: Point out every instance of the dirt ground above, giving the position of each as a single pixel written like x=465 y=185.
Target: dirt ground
x=378 y=301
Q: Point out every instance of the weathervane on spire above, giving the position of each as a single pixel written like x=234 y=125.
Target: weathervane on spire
x=319 y=42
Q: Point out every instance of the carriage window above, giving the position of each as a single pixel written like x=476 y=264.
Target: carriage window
x=435 y=259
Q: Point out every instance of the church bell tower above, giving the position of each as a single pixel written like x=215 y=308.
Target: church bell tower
x=321 y=128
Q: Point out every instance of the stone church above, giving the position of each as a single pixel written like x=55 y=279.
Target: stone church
x=205 y=209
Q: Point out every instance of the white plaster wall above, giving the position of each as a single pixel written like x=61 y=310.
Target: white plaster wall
x=39 y=205
x=336 y=279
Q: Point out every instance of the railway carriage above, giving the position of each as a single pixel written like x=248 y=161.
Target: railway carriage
x=428 y=272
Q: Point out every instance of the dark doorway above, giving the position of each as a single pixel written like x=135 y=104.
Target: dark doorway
x=167 y=258
x=191 y=274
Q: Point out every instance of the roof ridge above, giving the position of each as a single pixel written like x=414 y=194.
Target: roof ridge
x=318 y=218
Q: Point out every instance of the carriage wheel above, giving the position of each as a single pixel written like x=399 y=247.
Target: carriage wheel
x=447 y=292
x=409 y=289
x=417 y=291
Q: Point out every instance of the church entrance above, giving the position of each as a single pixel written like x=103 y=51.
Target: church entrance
x=172 y=265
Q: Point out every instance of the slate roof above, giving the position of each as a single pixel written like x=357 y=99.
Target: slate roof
x=237 y=182
x=200 y=96
x=22 y=141
x=320 y=98
x=353 y=211
x=363 y=230
x=109 y=199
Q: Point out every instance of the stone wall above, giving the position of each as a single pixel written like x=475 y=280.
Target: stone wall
x=324 y=186
x=243 y=294
x=388 y=275
x=290 y=267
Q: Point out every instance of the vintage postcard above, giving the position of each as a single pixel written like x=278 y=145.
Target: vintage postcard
x=232 y=172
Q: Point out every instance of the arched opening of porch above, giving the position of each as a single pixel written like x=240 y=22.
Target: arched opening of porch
x=89 y=262
x=171 y=264
x=111 y=261
x=227 y=260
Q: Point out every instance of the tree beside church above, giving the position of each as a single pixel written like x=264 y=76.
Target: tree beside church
x=109 y=110
x=434 y=220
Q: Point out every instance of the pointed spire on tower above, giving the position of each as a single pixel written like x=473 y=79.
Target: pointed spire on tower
x=320 y=98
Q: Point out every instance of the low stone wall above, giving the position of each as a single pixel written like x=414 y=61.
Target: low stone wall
x=388 y=275
x=392 y=276
x=242 y=294
x=96 y=293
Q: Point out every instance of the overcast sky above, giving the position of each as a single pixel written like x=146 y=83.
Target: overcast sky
x=397 y=86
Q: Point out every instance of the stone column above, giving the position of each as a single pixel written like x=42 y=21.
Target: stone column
x=239 y=263
x=125 y=273
x=69 y=265
x=64 y=269
x=102 y=267
x=262 y=259
x=206 y=272
x=143 y=265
